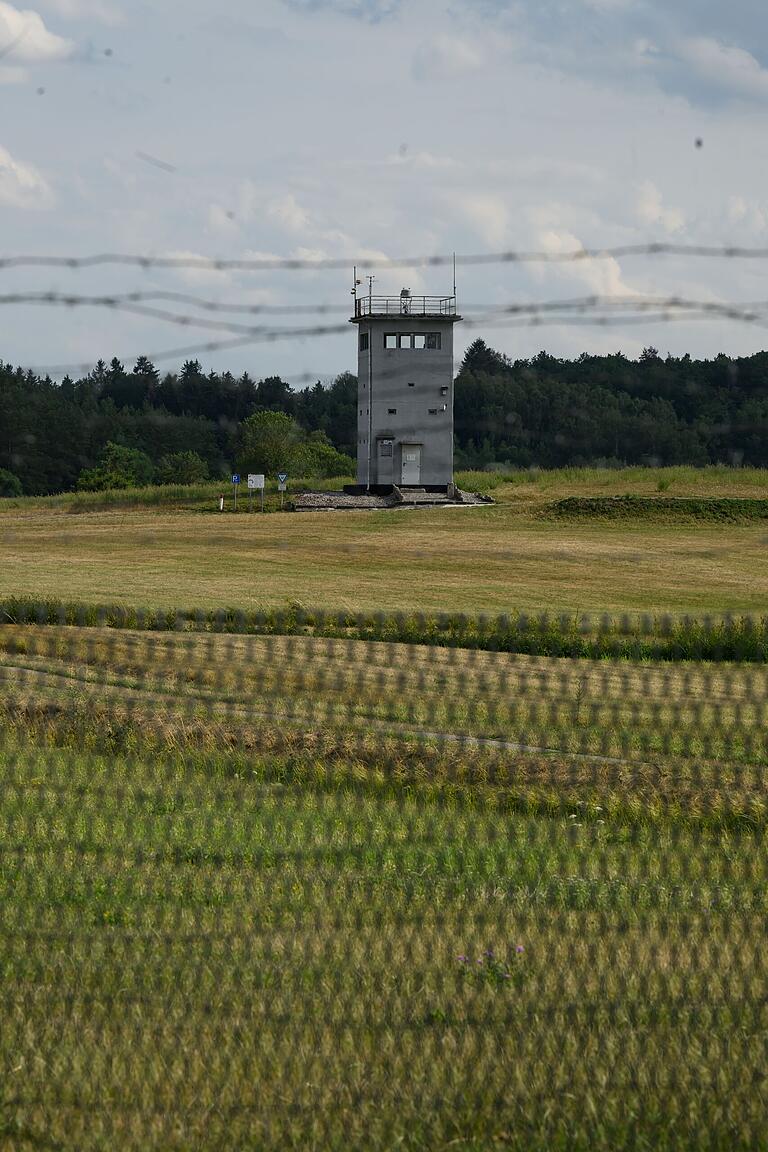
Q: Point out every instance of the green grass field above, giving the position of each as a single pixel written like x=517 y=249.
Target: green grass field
x=99 y=549
x=268 y=891
x=239 y=874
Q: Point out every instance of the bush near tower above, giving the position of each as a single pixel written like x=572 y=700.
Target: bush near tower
x=272 y=442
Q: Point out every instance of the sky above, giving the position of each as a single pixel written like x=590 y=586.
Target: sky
x=388 y=129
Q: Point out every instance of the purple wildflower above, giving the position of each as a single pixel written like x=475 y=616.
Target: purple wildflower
x=519 y=948
x=462 y=959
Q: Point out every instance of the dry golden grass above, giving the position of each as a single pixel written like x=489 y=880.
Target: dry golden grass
x=492 y=559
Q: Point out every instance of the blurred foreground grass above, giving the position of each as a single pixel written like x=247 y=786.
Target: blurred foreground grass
x=248 y=898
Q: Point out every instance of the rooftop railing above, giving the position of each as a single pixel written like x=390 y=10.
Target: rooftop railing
x=405 y=306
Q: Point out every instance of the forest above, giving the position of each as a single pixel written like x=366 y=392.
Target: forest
x=540 y=412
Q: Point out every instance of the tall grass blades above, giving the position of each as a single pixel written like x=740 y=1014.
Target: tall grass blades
x=306 y=880
x=628 y=636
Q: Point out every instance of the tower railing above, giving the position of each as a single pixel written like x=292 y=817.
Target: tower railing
x=405 y=306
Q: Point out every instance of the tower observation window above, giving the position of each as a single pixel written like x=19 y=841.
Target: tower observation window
x=429 y=340
x=363 y=341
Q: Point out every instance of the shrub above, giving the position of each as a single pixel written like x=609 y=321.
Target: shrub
x=181 y=468
x=10 y=485
x=317 y=459
x=269 y=442
x=119 y=467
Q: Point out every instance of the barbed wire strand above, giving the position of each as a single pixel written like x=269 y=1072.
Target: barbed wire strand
x=546 y=314
x=275 y=263
x=136 y=302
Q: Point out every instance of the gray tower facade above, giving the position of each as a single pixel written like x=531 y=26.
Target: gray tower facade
x=405 y=390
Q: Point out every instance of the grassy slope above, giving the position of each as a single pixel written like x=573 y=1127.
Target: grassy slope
x=485 y=559
x=232 y=938
x=235 y=686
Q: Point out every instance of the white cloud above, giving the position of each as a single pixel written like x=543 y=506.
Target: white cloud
x=602 y=277
x=487 y=214
x=311 y=255
x=101 y=10
x=24 y=37
x=262 y=254
x=734 y=69
x=746 y=215
x=651 y=209
x=21 y=185
x=288 y=213
x=445 y=57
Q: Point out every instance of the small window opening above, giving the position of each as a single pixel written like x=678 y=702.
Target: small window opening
x=390 y=340
x=392 y=411
x=411 y=384
x=363 y=341
x=433 y=341
x=406 y=340
x=419 y=341
x=444 y=390
x=433 y=411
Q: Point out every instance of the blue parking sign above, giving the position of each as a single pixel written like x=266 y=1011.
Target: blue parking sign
x=235 y=477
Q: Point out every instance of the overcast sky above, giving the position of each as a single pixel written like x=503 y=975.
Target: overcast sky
x=354 y=128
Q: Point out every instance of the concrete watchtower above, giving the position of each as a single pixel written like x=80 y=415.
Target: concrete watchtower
x=405 y=389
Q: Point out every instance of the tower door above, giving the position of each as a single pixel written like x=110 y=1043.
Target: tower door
x=385 y=473
x=411 y=464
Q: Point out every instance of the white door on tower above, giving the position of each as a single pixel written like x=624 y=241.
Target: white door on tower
x=411 y=464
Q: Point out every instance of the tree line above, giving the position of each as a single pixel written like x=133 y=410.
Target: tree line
x=611 y=410
x=114 y=427
x=541 y=411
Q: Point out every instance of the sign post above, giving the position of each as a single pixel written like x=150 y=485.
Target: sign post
x=282 y=484
x=256 y=482
x=235 y=485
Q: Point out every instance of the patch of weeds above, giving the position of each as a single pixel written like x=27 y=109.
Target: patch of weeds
x=491 y=969
x=434 y=1016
